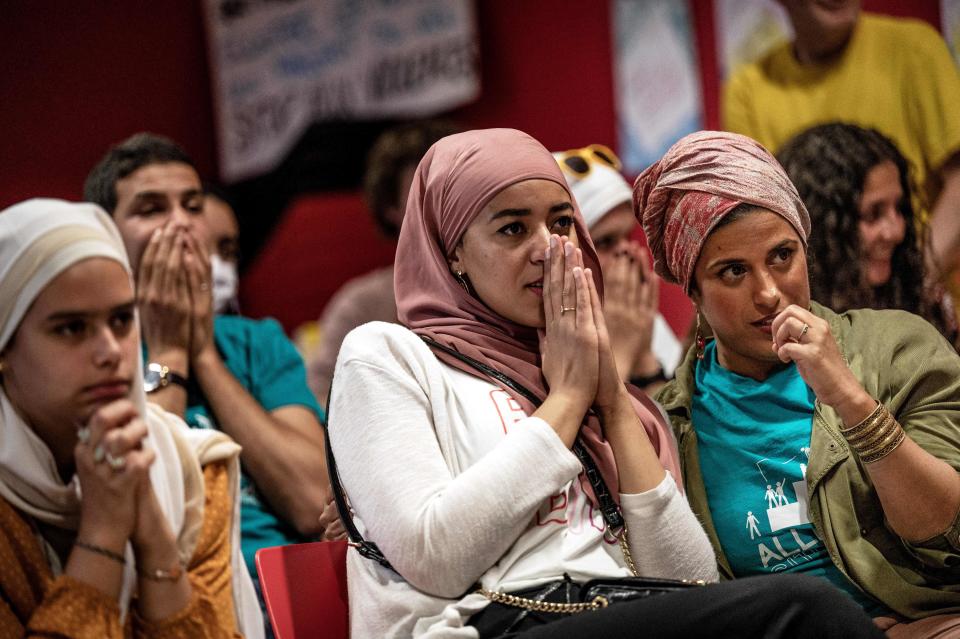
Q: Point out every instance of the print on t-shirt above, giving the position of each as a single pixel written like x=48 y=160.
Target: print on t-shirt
x=571 y=507
x=783 y=535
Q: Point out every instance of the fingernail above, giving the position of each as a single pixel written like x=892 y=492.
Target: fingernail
x=553 y=241
x=546 y=253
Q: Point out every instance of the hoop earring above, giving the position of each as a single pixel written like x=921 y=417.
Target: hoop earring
x=699 y=339
x=462 y=279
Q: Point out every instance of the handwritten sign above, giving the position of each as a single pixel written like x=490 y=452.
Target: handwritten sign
x=278 y=65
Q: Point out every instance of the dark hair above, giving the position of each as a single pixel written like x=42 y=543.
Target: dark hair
x=396 y=149
x=829 y=165
x=215 y=189
x=121 y=160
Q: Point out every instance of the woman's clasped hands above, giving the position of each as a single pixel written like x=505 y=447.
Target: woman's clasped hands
x=575 y=345
x=113 y=468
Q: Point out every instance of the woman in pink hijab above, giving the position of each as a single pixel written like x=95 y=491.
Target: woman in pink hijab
x=813 y=442
x=463 y=433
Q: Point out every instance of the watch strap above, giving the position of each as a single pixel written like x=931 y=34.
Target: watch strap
x=174 y=378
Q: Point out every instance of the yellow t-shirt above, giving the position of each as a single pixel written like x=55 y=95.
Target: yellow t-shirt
x=896 y=76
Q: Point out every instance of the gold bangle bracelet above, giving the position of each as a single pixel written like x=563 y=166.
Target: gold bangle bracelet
x=163 y=575
x=869 y=438
x=854 y=430
x=867 y=451
x=883 y=452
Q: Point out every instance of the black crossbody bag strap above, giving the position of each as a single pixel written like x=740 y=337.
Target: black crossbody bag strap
x=366 y=548
x=605 y=502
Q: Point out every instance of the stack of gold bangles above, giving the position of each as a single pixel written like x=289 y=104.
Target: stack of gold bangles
x=876 y=436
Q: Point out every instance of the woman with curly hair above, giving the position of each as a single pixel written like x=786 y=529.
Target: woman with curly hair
x=864 y=252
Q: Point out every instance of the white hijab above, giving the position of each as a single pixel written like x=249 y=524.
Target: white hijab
x=39 y=239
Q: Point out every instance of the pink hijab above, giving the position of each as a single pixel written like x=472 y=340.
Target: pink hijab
x=455 y=180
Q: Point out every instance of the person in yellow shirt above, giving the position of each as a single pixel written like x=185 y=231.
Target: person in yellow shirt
x=894 y=75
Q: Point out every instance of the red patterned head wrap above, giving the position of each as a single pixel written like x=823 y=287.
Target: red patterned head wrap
x=704 y=176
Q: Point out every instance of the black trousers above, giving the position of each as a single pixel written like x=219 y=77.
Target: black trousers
x=774 y=607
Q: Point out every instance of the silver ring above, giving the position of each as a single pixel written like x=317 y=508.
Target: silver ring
x=803 y=331
x=115 y=463
x=204 y=286
x=83 y=434
x=564 y=309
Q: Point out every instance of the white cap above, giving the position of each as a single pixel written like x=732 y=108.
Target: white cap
x=599 y=191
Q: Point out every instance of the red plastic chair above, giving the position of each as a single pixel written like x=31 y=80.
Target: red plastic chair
x=305 y=589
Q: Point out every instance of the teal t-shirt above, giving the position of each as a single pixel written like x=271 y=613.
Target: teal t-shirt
x=754 y=441
x=265 y=362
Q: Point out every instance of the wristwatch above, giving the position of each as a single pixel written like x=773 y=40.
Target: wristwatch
x=158 y=376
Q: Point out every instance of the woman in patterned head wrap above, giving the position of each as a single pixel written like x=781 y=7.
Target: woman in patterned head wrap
x=469 y=486
x=811 y=442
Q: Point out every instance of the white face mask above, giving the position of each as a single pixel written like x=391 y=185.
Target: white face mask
x=225 y=283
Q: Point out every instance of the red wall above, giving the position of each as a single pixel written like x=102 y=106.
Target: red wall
x=80 y=76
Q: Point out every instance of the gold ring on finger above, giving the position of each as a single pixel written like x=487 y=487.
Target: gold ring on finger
x=803 y=331
x=564 y=309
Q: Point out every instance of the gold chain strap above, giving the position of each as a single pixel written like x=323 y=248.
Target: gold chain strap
x=534 y=605
x=625 y=549
x=544 y=606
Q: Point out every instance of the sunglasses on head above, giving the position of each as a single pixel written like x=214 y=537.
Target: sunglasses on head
x=579 y=162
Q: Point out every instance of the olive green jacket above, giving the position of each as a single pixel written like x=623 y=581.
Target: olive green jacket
x=905 y=363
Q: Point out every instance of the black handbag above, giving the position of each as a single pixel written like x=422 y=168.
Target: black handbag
x=557 y=599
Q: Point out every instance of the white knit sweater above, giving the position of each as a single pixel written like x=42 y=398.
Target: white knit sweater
x=456 y=485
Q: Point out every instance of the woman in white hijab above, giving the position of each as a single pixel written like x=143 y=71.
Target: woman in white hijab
x=115 y=518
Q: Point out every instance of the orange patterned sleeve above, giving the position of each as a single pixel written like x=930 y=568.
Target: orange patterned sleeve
x=34 y=604
x=210 y=612
x=72 y=608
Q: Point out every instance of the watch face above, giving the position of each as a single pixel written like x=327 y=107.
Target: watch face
x=153 y=378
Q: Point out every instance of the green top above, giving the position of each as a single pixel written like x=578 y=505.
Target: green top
x=905 y=363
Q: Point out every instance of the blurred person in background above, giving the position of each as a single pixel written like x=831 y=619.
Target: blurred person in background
x=369 y=298
x=645 y=348
x=895 y=75
x=224 y=242
x=864 y=251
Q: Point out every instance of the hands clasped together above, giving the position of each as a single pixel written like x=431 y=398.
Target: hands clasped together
x=630 y=307
x=174 y=297
x=118 y=502
x=578 y=362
